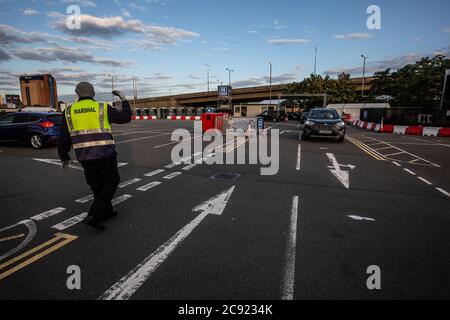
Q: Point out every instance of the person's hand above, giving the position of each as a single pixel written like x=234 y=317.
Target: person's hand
x=65 y=165
x=119 y=94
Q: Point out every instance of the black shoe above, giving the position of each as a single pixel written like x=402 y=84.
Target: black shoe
x=94 y=223
x=111 y=215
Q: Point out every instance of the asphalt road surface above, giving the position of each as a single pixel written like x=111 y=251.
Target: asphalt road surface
x=309 y=232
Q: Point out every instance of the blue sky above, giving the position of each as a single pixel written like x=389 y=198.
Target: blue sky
x=165 y=43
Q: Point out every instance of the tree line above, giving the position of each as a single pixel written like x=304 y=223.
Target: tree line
x=416 y=85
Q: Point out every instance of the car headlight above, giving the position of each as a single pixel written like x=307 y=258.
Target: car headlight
x=340 y=124
x=309 y=123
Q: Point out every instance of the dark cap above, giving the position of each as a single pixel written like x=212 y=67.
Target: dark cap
x=85 y=90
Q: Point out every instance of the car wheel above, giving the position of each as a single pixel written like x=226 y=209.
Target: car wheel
x=36 y=141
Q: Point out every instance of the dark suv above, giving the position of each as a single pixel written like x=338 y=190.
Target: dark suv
x=324 y=123
x=273 y=115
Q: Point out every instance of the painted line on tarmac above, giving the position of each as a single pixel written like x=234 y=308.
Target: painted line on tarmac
x=70 y=222
x=397 y=164
x=299 y=157
x=443 y=192
x=19 y=236
x=154 y=173
x=410 y=172
x=189 y=167
x=129 y=183
x=425 y=180
x=49 y=246
x=144 y=138
x=172 y=175
x=130 y=283
x=366 y=149
x=149 y=186
x=32 y=230
x=172 y=165
x=287 y=289
x=85 y=199
x=171 y=143
x=48 y=214
x=121 y=199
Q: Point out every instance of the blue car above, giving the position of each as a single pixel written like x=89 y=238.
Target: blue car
x=36 y=129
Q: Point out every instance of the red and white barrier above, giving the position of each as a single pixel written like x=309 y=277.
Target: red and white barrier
x=184 y=118
x=144 y=118
x=403 y=130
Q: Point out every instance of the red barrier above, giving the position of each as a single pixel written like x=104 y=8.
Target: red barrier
x=414 y=131
x=444 y=132
x=387 y=128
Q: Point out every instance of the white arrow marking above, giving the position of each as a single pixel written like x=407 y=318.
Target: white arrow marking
x=342 y=176
x=358 y=218
x=129 y=284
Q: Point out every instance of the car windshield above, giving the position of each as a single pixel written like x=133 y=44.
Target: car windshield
x=324 y=114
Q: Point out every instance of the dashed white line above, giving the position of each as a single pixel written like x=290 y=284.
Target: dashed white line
x=410 y=172
x=397 y=164
x=128 y=183
x=154 y=173
x=149 y=186
x=47 y=214
x=172 y=175
x=121 y=199
x=189 y=167
x=287 y=290
x=443 y=192
x=299 y=157
x=426 y=181
x=172 y=165
x=70 y=222
x=85 y=199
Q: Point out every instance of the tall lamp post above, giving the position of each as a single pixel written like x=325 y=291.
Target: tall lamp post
x=229 y=75
x=364 y=74
x=315 y=61
x=207 y=75
x=270 y=84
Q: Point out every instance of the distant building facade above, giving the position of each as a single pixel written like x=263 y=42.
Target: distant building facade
x=39 y=90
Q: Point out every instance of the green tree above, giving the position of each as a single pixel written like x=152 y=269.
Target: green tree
x=416 y=85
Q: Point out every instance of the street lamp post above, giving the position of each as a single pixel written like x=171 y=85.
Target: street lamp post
x=315 y=61
x=270 y=84
x=207 y=74
x=364 y=74
x=229 y=76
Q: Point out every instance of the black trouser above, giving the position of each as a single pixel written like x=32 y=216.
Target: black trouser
x=103 y=178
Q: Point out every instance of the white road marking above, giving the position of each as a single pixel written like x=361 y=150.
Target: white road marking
x=172 y=165
x=443 y=192
x=129 y=284
x=144 y=138
x=358 y=218
x=410 y=172
x=18 y=236
x=154 y=173
x=172 y=175
x=299 y=157
x=342 y=176
x=149 y=186
x=70 y=222
x=175 y=142
x=58 y=163
x=287 y=290
x=189 y=167
x=32 y=229
x=85 y=199
x=121 y=199
x=48 y=214
x=397 y=164
x=128 y=183
x=426 y=181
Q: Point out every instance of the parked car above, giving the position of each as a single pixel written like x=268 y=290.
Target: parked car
x=36 y=129
x=324 y=123
x=273 y=115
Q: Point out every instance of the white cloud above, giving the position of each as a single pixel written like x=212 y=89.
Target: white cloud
x=283 y=42
x=352 y=36
x=31 y=12
x=81 y=3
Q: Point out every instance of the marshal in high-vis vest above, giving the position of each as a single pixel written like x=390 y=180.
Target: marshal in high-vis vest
x=88 y=131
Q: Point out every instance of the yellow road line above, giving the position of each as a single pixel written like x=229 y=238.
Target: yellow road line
x=366 y=149
x=52 y=248
x=12 y=237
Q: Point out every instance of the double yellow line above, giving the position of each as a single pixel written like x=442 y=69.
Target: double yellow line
x=366 y=149
x=59 y=241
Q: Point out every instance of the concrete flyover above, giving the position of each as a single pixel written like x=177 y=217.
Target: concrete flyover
x=210 y=99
